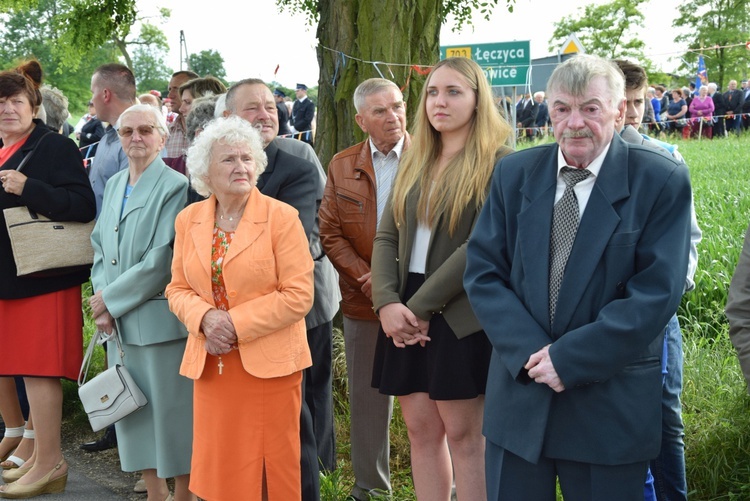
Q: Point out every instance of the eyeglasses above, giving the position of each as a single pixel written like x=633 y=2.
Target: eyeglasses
x=143 y=130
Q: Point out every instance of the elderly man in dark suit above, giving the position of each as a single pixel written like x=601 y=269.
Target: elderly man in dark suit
x=294 y=175
x=734 y=99
x=574 y=238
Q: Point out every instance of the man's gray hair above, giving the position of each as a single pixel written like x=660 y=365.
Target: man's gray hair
x=55 y=106
x=159 y=120
x=369 y=87
x=233 y=90
x=229 y=131
x=575 y=75
x=712 y=86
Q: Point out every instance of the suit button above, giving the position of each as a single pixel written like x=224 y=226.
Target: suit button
x=116 y=228
x=114 y=261
x=232 y=294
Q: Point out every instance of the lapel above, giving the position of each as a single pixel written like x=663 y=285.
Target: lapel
x=254 y=221
x=202 y=231
x=271 y=151
x=141 y=191
x=534 y=223
x=599 y=221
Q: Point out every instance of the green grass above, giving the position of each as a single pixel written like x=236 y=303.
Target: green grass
x=716 y=406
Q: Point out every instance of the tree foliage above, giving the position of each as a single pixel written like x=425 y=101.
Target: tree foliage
x=609 y=30
x=208 y=62
x=718 y=29
x=354 y=33
x=32 y=31
x=150 y=70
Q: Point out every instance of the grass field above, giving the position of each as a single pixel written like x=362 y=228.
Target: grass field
x=715 y=401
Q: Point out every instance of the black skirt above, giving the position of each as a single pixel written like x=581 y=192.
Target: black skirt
x=447 y=368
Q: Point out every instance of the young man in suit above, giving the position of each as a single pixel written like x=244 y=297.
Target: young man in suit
x=303 y=112
x=574 y=238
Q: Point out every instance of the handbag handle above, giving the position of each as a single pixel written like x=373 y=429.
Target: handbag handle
x=99 y=337
x=31 y=153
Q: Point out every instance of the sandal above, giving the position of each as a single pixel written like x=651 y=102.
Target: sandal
x=12 y=433
x=12 y=462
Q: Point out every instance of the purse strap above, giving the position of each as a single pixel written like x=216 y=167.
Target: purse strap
x=100 y=338
x=31 y=153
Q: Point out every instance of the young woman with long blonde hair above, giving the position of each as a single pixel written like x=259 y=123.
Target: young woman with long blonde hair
x=432 y=352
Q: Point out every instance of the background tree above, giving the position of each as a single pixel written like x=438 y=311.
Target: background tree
x=149 y=37
x=354 y=32
x=609 y=30
x=31 y=31
x=208 y=62
x=150 y=70
x=715 y=24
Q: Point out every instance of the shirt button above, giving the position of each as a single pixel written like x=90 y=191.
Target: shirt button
x=116 y=228
x=114 y=261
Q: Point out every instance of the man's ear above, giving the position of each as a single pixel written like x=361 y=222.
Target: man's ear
x=361 y=122
x=227 y=113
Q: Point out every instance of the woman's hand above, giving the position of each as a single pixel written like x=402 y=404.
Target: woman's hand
x=12 y=181
x=403 y=326
x=105 y=322
x=219 y=330
x=96 y=302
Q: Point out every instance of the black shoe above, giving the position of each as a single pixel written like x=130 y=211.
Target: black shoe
x=107 y=441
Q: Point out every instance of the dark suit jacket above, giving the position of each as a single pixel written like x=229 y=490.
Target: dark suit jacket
x=542 y=115
x=525 y=115
x=292 y=180
x=624 y=279
x=720 y=104
x=734 y=99
x=302 y=115
x=283 y=119
x=58 y=188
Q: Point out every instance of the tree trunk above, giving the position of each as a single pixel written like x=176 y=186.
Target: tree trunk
x=391 y=31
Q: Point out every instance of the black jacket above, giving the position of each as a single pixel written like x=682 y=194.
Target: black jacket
x=58 y=188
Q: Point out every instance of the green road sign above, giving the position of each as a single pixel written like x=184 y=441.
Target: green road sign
x=505 y=63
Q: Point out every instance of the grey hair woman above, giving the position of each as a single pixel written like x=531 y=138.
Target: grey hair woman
x=231 y=131
x=200 y=114
x=132 y=244
x=241 y=283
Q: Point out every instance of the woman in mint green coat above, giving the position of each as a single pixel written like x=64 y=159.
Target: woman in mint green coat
x=133 y=253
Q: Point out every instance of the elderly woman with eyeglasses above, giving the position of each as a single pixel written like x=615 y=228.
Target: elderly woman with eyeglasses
x=132 y=255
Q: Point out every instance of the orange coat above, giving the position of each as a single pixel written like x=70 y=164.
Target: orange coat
x=268 y=274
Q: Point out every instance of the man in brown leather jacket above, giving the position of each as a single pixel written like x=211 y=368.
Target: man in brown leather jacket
x=359 y=182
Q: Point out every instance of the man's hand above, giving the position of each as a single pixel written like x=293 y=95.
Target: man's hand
x=542 y=370
x=366 y=281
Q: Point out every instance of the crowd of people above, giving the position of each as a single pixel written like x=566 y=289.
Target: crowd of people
x=492 y=292
x=685 y=111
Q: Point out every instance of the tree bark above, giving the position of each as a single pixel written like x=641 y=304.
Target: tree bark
x=389 y=31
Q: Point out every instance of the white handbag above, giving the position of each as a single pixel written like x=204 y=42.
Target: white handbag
x=112 y=394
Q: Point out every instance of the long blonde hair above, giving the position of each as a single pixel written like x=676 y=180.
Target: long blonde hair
x=466 y=177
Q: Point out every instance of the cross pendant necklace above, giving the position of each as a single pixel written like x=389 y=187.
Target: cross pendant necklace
x=221 y=366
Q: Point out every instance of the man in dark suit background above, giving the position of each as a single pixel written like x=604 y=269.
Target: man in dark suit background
x=720 y=109
x=574 y=390
x=303 y=112
x=541 y=120
x=294 y=175
x=525 y=115
x=282 y=112
x=734 y=99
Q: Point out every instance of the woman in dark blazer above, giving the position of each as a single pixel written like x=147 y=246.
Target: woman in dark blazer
x=41 y=317
x=432 y=352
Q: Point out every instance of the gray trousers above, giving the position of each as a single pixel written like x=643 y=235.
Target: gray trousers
x=370 y=412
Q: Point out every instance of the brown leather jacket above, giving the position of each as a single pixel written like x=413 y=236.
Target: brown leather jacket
x=348 y=220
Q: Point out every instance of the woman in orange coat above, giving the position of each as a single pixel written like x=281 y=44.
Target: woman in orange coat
x=242 y=282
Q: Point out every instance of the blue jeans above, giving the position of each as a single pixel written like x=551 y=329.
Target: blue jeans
x=669 y=467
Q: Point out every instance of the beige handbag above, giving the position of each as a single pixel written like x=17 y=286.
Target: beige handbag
x=45 y=247
x=42 y=245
